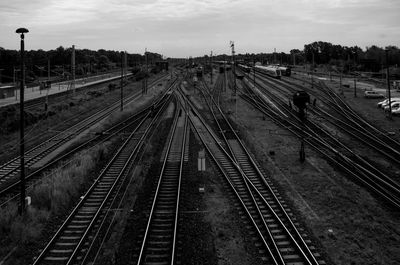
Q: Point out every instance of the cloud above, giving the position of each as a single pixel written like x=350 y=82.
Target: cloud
x=181 y=26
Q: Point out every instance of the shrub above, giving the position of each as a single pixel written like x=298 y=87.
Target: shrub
x=58 y=191
x=22 y=228
x=141 y=75
x=112 y=86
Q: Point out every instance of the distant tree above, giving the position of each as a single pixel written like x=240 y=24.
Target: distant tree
x=104 y=62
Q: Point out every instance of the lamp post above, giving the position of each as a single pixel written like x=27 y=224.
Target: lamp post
x=233 y=67
x=312 y=68
x=355 y=76
x=388 y=83
x=254 y=72
x=234 y=76
x=211 y=66
x=147 y=71
x=122 y=81
x=21 y=31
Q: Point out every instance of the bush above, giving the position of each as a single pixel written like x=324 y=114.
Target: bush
x=57 y=193
x=59 y=190
x=112 y=86
x=22 y=229
x=135 y=71
x=141 y=75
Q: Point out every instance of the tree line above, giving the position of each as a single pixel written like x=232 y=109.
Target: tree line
x=342 y=58
x=86 y=62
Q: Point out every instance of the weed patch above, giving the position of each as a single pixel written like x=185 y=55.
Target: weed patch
x=55 y=194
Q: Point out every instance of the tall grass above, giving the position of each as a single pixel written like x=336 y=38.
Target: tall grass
x=55 y=194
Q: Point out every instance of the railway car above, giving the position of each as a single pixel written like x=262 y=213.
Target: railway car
x=244 y=68
x=285 y=71
x=269 y=70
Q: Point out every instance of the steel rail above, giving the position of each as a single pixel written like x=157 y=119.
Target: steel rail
x=304 y=249
x=58 y=140
x=94 y=185
x=156 y=198
x=247 y=182
x=346 y=164
x=365 y=166
x=86 y=196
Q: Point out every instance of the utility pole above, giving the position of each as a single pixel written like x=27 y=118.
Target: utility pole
x=125 y=63
x=73 y=69
x=254 y=72
x=46 y=104
x=147 y=72
x=122 y=80
x=21 y=31
x=388 y=83
x=233 y=67
x=234 y=77
x=312 y=70
x=225 y=73
x=211 y=68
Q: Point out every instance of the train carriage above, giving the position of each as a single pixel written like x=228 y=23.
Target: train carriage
x=269 y=70
x=285 y=71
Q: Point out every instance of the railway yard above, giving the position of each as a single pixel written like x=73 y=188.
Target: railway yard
x=221 y=168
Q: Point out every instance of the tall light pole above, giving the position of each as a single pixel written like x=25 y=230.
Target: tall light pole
x=312 y=68
x=355 y=76
x=234 y=76
x=147 y=71
x=21 y=31
x=211 y=68
x=254 y=71
x=122 y=81
x=225 y=73
x=388 y=82
x=73 y=69
x=233 y=67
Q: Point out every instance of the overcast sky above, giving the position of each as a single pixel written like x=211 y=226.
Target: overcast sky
x=182 y=28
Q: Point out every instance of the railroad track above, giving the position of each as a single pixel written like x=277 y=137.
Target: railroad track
x=11 y=192
x=280 y=241
x=352 y=124
x=69 y=122
x=11 y=169
x=328 y=146
x=71 y=242
x=160 y=237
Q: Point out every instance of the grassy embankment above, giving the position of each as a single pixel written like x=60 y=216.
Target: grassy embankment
x=55 y=194
x=59 y=190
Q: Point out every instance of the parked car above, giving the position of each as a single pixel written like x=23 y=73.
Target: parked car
x=386 y=101
x=394 y=105
x=386 y=105
x=396 y=111
x=373 y=94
